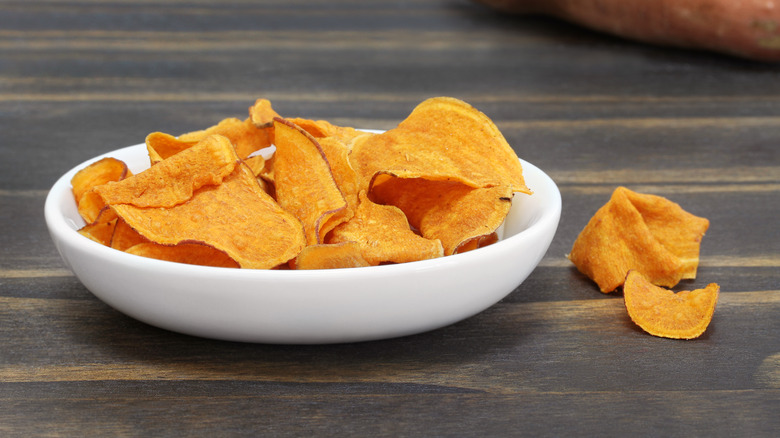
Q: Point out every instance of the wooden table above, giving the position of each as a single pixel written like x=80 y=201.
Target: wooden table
x=555 y=358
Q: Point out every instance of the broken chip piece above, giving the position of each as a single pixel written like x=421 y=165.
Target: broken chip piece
x=664 y=313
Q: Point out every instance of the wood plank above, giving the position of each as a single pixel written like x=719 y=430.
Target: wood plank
x=508 y=349
x=337 y=412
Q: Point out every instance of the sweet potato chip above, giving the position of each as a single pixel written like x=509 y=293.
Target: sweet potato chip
x=245 y=136
x=236 y=217
x=125 y=236
x=256 y=164
x=336 y=151
x=677 y=230
x=160 y=146
x=323 y=128
x=91 y=206
x=262 y=115
x=664 y=313
x=304 y=182
x=449 y=211
x=189 y=253
x=478 y=242
x=174 y=180
x=100 y=172
x=443 y=139
x=97 y=173
x=99 y=231
x=384 y=235
x=331 y=256
x=646 y=233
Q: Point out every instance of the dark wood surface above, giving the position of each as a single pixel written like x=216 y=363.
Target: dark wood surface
x=555 y=358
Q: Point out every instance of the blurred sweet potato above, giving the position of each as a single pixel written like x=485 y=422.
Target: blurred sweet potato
x=745 y=28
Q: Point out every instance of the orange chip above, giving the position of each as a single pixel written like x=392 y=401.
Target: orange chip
x=331 y=256
x=256 y=164
x=336 y=153
x=189 y=253
x=85 y=180
x=259 y=167
x=97 y=173
x=449 y=211
x=161 y=146
x=304 y=182
x=99 y=231
x=646 y=233
x=323 y=128
x=245 y=136
x=262 y=115
x=91 y=206
x=661 y=312
x=443 y=139
x=174 y=180
x=384 y=235
x=677 y=230
x=236 y=217
x=479 y=242
x=317 y=128
x=125 y=236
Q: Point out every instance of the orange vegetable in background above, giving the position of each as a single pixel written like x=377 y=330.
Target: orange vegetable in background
x=744 y=28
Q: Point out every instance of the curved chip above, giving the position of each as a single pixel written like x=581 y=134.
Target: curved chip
x=99 y=231
x=304 y=182
x=646 y=233
x=244 y=134
x=98 y=173
x=83 y=184
x=161 y=146
x=125 y=236
x=323 y=128
x=677 y=230
x=384 y=235
x=236 y=217
x=336 y=153
x=262 y=115
x=664 y=313
x=189 y=253
x=174 y=180
x=331 y=256
x=443 y=139
x=449 y=211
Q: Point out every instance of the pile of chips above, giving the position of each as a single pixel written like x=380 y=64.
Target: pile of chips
x=326 y=197
x=643 y=243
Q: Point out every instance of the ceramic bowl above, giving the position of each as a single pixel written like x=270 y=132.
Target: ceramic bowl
x=307 y=307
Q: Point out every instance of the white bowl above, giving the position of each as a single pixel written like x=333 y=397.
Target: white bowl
x=307 y=307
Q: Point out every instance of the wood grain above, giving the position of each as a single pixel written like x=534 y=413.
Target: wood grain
x=554 y=358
